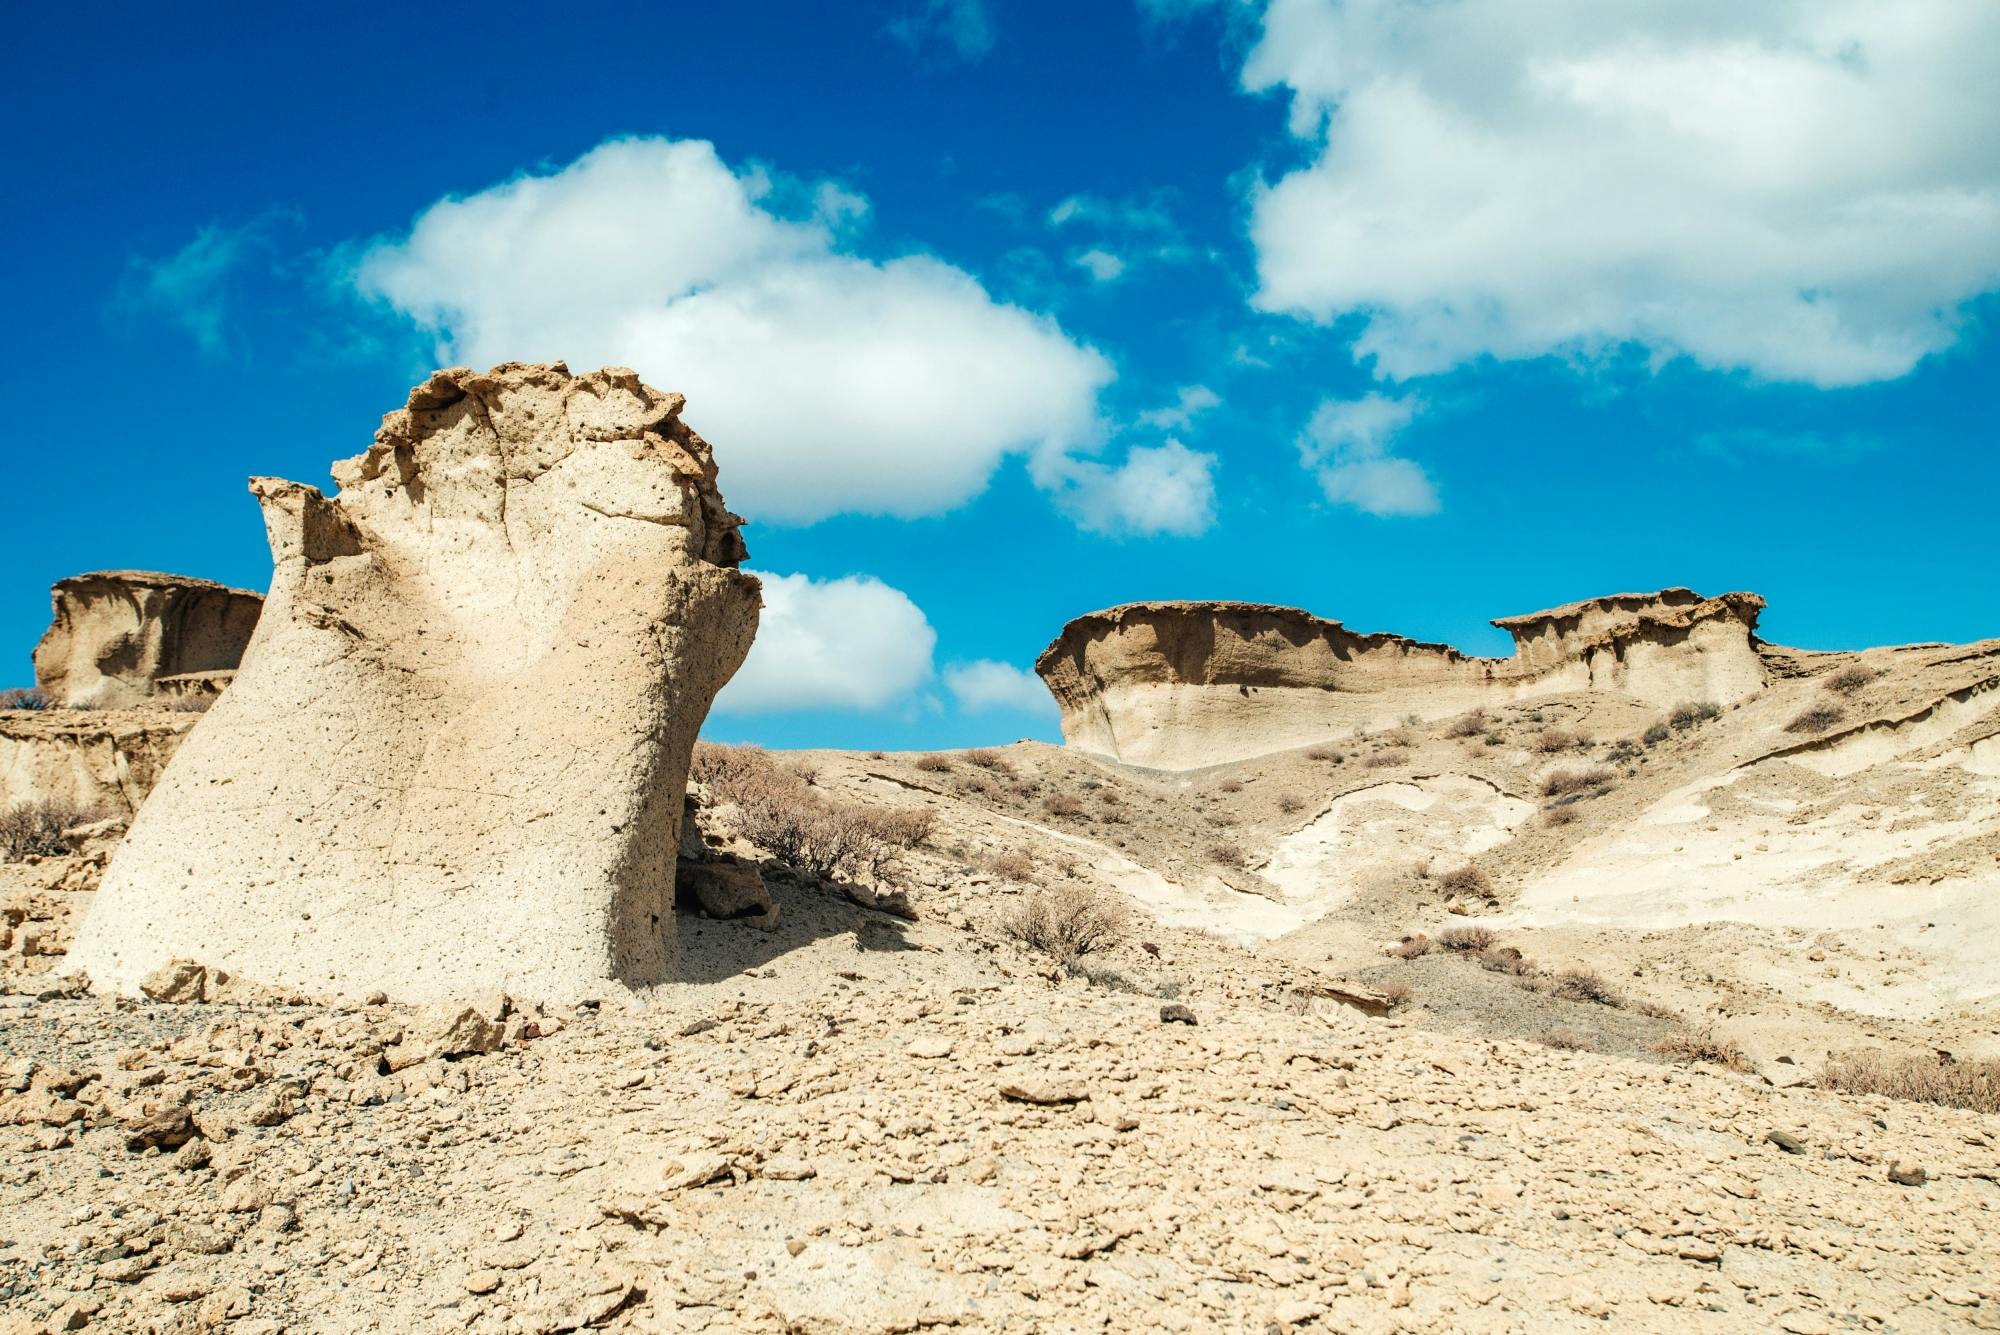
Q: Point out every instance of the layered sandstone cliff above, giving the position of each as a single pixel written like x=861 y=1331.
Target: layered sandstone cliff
x=103 y=761
x=1178 y=685
x=454 y=756
x=125 y=638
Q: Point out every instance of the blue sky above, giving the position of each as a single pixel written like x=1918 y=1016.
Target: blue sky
x=1410 y=314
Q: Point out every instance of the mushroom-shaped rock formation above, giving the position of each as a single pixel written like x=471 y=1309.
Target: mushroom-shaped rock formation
x=126 y=638
x=455 y=753
x=1180 y=685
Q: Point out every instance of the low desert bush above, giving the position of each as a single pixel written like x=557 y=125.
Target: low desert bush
x=1690 y=712
x=1063 y=804
x=1550 y=741
x=934 y=764
x=23 y=697
x=1505 y=959
x=1653 y=1010
x=1560 y=815
x=779 y=811
x=1465 y=940
x=1230 y=786
x=1921 y=1077
x=1565 y=1040
x=1817 y=718
x=28 y=828
x=1396 y=992
x=1656 y=734
x=1578 y=984
x=1290 y=803
x=1410 y=947
x=1224 y=854
x=1466 y=880
x=1469 y=724
x=1324 y=753
x=1068 y=923
x=1589 y=779
x=986 y=758
x=1014 y=865
x=1384 y=758
x=1850 y=679
x=1704 y=1047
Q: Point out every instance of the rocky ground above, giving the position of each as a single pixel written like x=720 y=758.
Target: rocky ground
x=858 y=1123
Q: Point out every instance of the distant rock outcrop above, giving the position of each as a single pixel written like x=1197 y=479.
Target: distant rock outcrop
x=124 y=638
x=1179 y=685
x=455 y=753
x=104 y=761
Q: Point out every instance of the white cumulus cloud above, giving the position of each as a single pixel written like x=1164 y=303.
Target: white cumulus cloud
x=831 y=382
x=1806 y=190
x=847 y=643
x=1349 y=446
x=987 y=686
x=1159 y=490
x=1189 y=403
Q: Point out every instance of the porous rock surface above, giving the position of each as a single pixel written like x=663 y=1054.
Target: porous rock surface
x=454 y=756
x=1180 y=685
x=122 y=638
x=103 y=761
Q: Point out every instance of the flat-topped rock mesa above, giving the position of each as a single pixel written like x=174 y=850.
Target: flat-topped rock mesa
x=1180 y=685
x=121 y=639
x=454 y=756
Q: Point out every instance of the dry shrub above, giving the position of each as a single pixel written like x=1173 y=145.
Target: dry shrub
x=1382 y=758
x=30 y=828
x=1067 y=923
x=778 y=811
x=1817 y=718
x=1015 y=866
x=1469 y=724
x=1290 y=803
x=1467 y=939
x=1063 y=804
x=1657 y=733
x=1850 y=678
x=1466 y=880
x=1589 y=779
x=1565 y=1040
x=1410 y=947
x=1505 y=959
x=1688 y=713
x=1561 y=815
x=987 y=758
x=1920 y=1077
x=1703 y=1047
x=1230 y=786
x=1224 y=854
x=1579 y=984
x=1551 y=740
x=1653 y=1010
x=934 y=764
x=23 y=697
x=1396 y=992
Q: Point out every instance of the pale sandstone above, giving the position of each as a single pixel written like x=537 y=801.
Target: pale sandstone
x=122 y=638
x=453 y=758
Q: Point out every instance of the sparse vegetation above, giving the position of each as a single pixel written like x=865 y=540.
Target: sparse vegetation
x=30 y=828
x=1560 y=815
x=1466 y=940
x=1576 y=984
x=1396 y=992
x=1850 y=678
x=1384 y=758
x=1688 y=713
x=1063 y=805
x=1702 y=1047
x=1068 y=923
x=1469 y=724
x=1817 y=718
x=988 y=759
x=1224 y=854
x=1565 y=1040
x=1656 y=734
x=1325 y=753
x=22 y=697
x=1466 y=880
x=934 y=763
x=1410 y=947
x=1591 y=779
x=1290 y=803
x=1015 y=866
x=1230 y=786
x=779 y=811
x=1550 y=741
x=1504 y=959
x=1919 y=1077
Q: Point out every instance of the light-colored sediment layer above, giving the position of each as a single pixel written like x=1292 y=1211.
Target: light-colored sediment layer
x=103 y=760
x=124 y=638
x=1180 y=685
x=454 y=756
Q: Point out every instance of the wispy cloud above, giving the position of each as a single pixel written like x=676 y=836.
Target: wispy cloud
x=1349 y=446
x=196 y=286
x=964 y=29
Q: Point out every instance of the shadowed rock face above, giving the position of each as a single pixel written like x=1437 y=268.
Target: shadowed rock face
x=125 y=638
x=453 y=758
x=1179 y=685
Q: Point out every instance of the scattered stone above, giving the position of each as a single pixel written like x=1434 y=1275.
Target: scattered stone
x=1175 y=1013
x=1045 y=1090
x=1788 y=1143
x=1907 y=1174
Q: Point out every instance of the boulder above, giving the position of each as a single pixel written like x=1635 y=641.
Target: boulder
x=454 y=756
x=729 y=890
x=123 y=638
